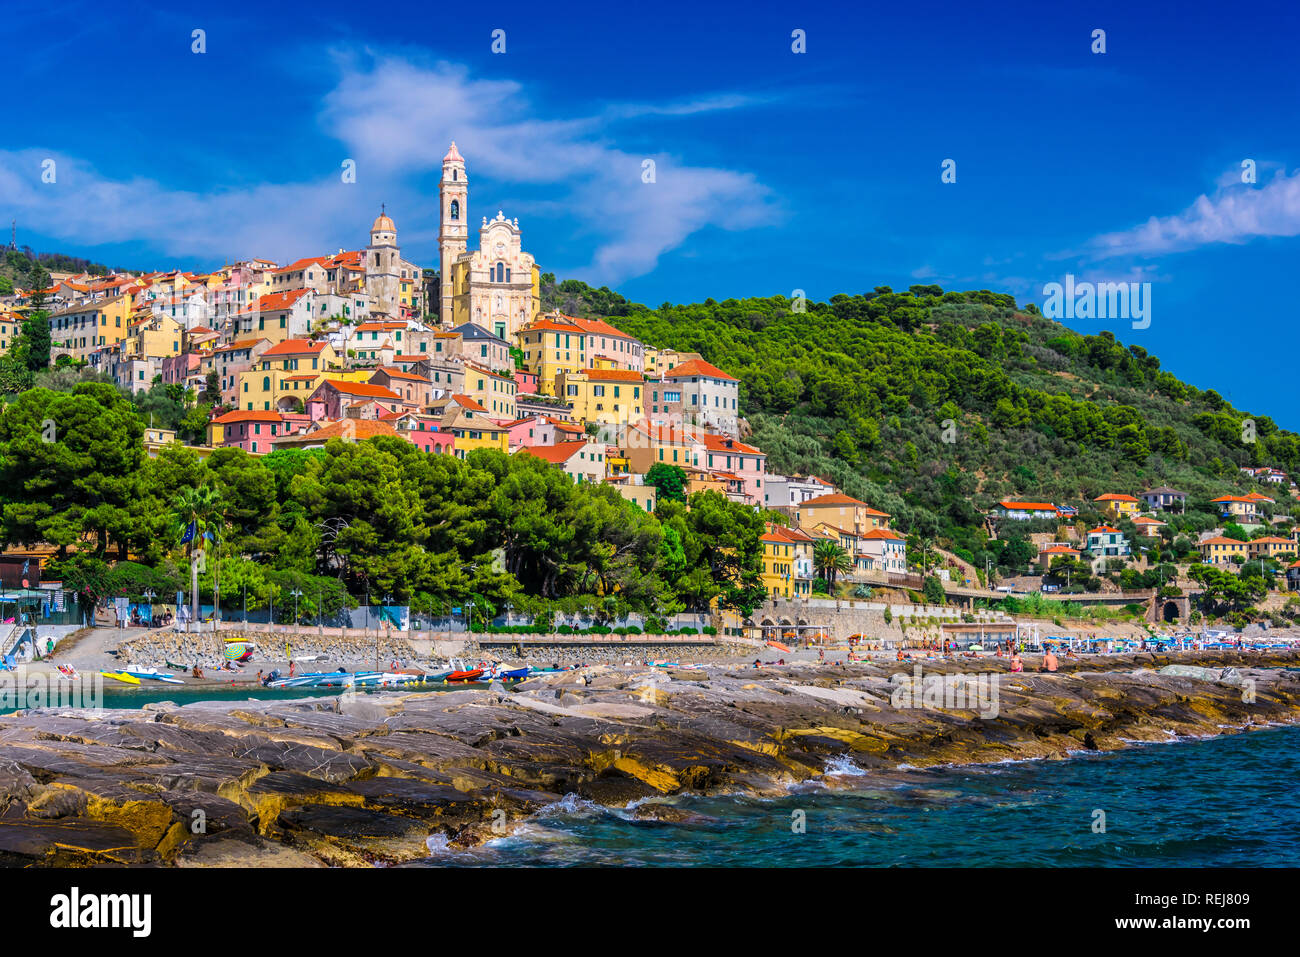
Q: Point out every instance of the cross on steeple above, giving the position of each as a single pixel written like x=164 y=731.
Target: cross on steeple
x=383 y=208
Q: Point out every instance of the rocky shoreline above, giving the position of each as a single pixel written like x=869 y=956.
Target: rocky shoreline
x=364 y=779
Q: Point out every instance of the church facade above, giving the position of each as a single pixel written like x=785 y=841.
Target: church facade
x=498 y=285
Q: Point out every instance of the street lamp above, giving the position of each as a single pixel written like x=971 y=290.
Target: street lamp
x=296 y=593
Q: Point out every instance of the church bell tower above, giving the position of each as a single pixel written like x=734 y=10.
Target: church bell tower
x=453 y=235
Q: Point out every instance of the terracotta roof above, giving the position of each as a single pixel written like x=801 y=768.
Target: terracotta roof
x=294 y=347
x=238 y=344
x=363 y=429
x=555 y=454
x=241 y=415
x=613 y=375
x=364 y=389
x=396 y=373
x=1220 y=540
x=1114 y=497
x=1029 y=506
x=303 y=264
x=465 y=402
x=697 y=367
x=275 y=300
x=1103 y=529
x=836 y=498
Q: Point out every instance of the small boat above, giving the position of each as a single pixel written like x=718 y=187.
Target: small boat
x=174 y=666
x=471 y=675
x=778 y=646
x=121 y=676
x=153 y=674
x=438 y=676
x=516 y=674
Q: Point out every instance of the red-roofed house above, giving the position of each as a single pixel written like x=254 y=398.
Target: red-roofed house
x=252 y=431
x=334 y=397
x=842 y=511
x=1020 y=511
x=583 y=461
x=278 y=316
x=411 y=386
x=697 y=393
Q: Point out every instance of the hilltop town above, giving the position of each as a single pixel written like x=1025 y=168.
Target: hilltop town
x=363 y=343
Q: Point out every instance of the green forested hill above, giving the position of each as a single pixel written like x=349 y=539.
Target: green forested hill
x=860 y=388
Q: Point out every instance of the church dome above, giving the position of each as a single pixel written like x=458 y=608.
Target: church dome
x=453 y=154
x=383 y=223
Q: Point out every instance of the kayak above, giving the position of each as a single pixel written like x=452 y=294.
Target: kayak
x=778 y=646
x=465 y=675
x=68 y=672
x=121 y=676
x=174 y=665
x=153 y=674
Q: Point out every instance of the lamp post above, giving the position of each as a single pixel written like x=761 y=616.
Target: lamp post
x=149 y=596
x=296 y=593
x=388 y=600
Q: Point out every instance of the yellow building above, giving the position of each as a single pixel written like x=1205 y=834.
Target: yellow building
x=778 y=563
x=552 y=349
x=80 y=330
x=154 y=337
x=1117 y=505
x=473 y=428
x=557 y=344
x=842 y=512
x=1221 y=551
x=660 y=361
x=289 y=372
x=10 y=327
x=493 y=391
x=605 y=396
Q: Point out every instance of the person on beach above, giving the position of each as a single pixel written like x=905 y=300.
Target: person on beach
x=1049 y=660
x=1016 y=664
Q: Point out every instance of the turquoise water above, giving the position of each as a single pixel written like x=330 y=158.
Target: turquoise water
x=1222 y=802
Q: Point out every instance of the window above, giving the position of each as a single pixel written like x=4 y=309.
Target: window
x=455 y=203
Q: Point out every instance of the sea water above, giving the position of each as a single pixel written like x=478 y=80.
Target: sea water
x=1228 y=801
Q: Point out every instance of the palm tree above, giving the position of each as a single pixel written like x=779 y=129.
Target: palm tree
x=196 y=510
x=830 y=559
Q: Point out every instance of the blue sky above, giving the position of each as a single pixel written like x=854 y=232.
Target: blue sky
x=775 y=171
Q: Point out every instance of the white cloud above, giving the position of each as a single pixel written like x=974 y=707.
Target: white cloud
x=395 y=117
x=1235 y=214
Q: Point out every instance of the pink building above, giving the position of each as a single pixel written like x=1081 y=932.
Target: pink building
x=229 y=361
x=744 y=462
x=422 y=431
x=334 y=397
x=411 y=386
x=542 y=430
x=253 y=431
x=525 y=382
x=176 y=370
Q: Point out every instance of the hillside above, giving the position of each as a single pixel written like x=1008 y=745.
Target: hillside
x=16 y=266
x=859 y=388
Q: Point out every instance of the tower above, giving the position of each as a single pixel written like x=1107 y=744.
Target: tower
x=453 y=235
x=383 y=259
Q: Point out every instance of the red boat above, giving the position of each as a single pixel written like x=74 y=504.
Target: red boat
x=465 y=675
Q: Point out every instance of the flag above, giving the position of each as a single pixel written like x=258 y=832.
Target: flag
x=190 y=529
